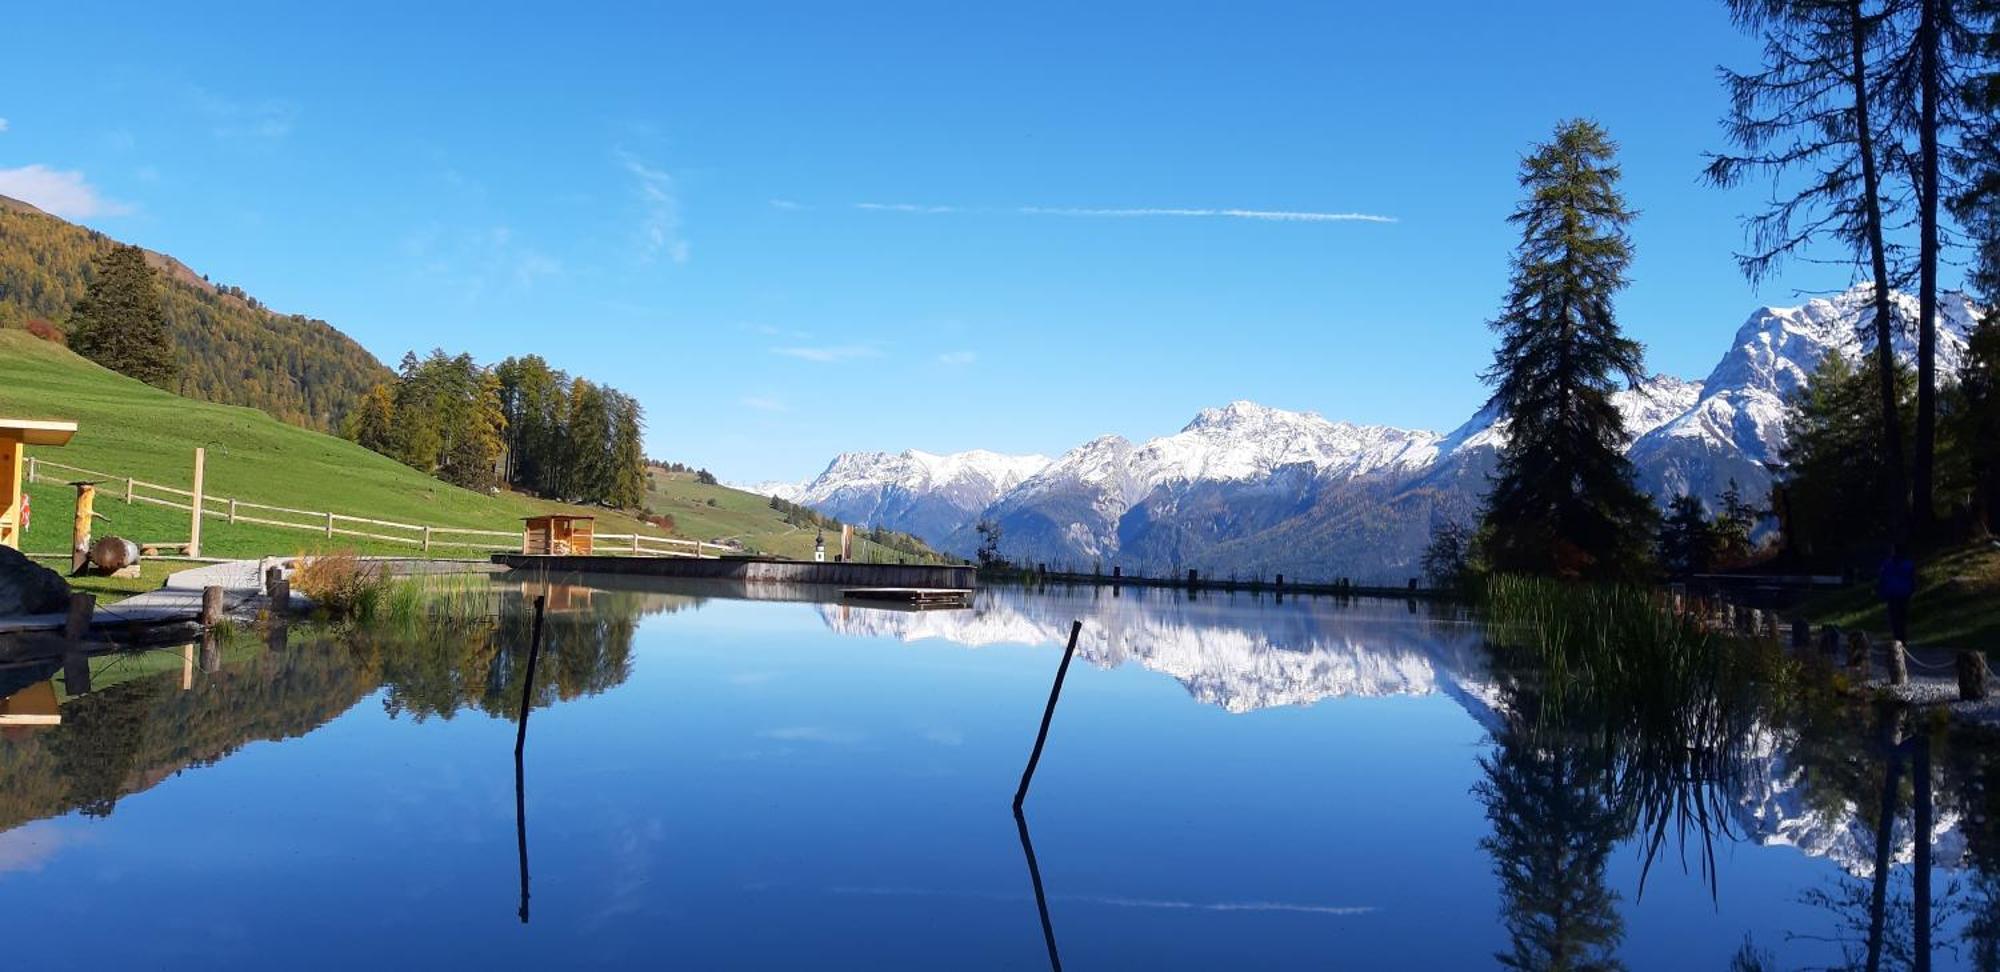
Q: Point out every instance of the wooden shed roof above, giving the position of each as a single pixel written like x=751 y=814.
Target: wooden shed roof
x=36 y=431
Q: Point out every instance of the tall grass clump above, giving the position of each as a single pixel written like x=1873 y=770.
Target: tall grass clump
x=1669 y=707
x=341 y=584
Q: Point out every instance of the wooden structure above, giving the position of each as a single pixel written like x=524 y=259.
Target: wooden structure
x=558 y=534
x=15 y=437
x=921 y=598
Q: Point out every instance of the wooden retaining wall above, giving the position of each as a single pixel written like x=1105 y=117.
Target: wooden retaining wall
x=753 y=570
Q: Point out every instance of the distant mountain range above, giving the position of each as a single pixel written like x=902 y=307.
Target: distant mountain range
x=1247 y=490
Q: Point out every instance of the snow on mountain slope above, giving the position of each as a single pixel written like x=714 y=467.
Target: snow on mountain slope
x=779 y=490
x=1737 y=426
x=1244 y=487
x=1246 y=441
x=923 y=493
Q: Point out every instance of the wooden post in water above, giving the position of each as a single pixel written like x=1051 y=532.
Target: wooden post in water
x=1899 y=664
x=211 y=605
x=76 y=671
x=194 y=520
x=77 y=622
x=1049 y=713
x=528 y=687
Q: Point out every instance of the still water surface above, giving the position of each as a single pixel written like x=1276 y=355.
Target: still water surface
x=714 y=781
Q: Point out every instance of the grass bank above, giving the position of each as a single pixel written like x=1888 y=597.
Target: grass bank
x=1957 y=604
x=131 y=429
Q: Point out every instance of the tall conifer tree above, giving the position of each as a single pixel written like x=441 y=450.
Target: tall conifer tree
x=121 y=324
x=1564 y=501
x=1816 y=107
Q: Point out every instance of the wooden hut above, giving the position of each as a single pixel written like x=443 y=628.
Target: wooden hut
x=557 y=533
x=16 y=435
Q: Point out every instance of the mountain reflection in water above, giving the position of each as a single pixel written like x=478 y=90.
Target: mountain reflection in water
x=1565 y=793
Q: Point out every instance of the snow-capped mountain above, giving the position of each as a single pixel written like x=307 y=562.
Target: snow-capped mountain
x=777 y=490
x=1246 y=488
x=917 y=492
x=1737 y=426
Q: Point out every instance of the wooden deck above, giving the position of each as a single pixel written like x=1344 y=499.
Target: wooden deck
x=921 y=598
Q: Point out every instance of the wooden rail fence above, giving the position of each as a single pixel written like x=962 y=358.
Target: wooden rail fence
x=328 y=524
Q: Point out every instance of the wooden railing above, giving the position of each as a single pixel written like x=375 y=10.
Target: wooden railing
x=422 y=536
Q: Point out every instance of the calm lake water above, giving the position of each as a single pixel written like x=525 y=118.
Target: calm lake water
x=719 y=782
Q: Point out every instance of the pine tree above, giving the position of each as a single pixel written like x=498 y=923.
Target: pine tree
x=1734 y=525
x=1687 y=542
x=1972 y=422
x=373 y=423
x=1815 y=107
x=121 y=323
x=1564 y=500
x=1925 y=83
x=1830 y=477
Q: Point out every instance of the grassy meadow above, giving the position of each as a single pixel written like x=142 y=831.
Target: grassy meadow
x=128 y=428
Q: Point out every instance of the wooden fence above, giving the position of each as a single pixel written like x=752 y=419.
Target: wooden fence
x=328 y=524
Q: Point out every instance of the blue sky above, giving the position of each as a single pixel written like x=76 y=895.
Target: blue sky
x=797 y=229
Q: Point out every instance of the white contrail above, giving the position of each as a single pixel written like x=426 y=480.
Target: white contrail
x=1274 y=215
x=1268 y=215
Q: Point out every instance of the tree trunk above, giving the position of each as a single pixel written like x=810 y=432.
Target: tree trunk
x=1928 y=66
x=1878 y=255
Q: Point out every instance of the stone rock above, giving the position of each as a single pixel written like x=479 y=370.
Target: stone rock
x=27 y=587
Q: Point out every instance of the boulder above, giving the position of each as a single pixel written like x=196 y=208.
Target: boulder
x=27 y=587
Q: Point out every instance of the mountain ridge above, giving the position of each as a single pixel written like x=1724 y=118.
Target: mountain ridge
x=1245 y=488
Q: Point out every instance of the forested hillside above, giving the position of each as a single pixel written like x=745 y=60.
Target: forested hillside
x=231 y=349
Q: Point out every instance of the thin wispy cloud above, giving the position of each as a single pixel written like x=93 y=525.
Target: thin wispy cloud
x=1262 y=215
x=957 y=358
x=906 y=208
x=762 y=403
x=60 y=192
x=1269 y=215
x=828 y=355
x=3 y=124
x=660 y=221
x=786 y=204
x=230 y=118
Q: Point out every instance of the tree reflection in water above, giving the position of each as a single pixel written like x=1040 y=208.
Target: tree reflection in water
x=1669 y=740
x=139 y=727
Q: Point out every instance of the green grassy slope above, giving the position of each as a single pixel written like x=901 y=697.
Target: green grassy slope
x=1957 y=603
x=130 y=429
x=719 y=513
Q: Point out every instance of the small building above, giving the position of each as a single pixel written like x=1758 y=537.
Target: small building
x=559 y=534
x=16 y=435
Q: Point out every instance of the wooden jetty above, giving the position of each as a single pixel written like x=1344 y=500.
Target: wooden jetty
x=752 y=570
x=920 y=598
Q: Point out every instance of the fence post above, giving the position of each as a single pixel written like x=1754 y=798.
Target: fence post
x=427 y=539
x=635 y=541
x=31 y=469
x=232 y=512
x=128 y=491
x=194 y=527
x=329 y=524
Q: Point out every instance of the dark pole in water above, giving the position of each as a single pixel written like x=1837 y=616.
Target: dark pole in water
x=1892 y=775
x=528 y=687
x=1055 y=692
x=520 y=775
x=1041 y=900
x=1921 y=780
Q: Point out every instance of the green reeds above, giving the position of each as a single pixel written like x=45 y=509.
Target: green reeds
x=1665 y=707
